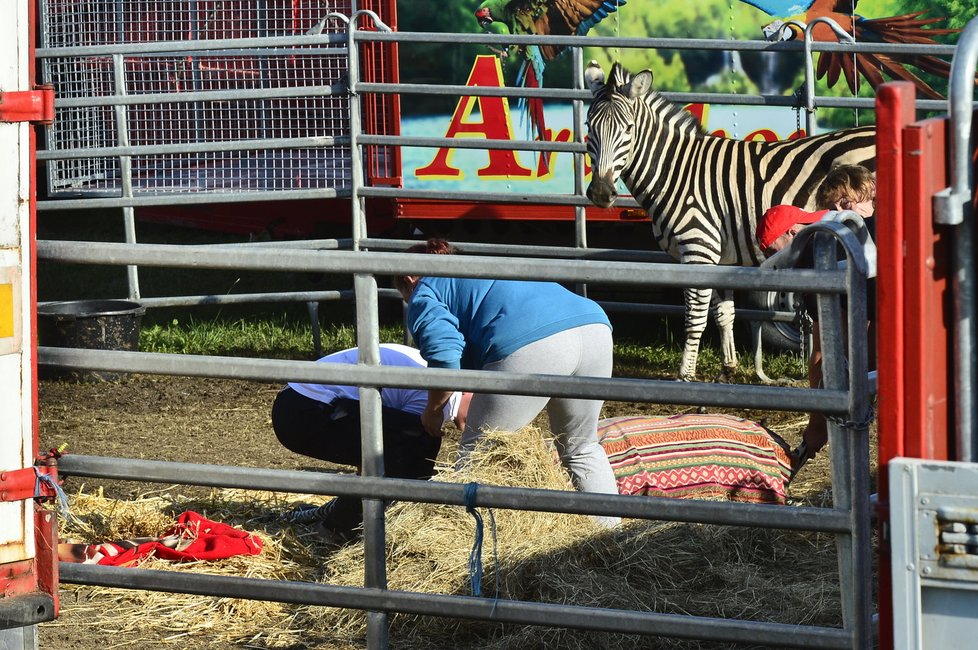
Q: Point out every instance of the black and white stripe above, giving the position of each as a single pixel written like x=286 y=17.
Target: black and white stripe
x=704 y=193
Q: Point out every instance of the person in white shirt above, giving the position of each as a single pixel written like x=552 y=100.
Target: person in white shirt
x=323 y=421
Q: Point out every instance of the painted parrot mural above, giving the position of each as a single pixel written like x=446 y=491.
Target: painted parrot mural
x=540 y=17
x=906 y=28
x=577 y=17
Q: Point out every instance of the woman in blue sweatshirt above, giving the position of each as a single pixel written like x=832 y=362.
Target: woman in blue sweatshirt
x=521 y=327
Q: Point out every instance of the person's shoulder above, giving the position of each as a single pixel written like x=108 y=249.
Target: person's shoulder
x=341 y=356
x=402 y=355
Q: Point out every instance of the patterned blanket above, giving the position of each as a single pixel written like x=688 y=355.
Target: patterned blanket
x=715 y=457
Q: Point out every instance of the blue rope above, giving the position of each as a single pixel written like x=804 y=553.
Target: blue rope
x=63 y=510
x=475 y=556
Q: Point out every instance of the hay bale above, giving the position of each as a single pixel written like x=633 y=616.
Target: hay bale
x=703 y=570
x=548 y=557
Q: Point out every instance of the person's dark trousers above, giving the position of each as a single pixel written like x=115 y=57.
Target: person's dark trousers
x=331 y=432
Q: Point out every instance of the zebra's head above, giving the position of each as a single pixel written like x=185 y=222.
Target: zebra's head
x=610 y=122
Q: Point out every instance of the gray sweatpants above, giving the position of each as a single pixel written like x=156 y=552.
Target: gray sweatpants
x=583 y=351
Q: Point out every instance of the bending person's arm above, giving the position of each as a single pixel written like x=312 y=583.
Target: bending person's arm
x=434 y=413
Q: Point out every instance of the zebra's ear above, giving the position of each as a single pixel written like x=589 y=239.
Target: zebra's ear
x=617 y=78
x=594 y=78
x=639 y=85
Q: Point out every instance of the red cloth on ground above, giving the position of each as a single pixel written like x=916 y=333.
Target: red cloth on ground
x=192 y=538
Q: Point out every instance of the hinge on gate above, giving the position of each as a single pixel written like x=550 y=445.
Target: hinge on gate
x=26 y=483
x=35 y=106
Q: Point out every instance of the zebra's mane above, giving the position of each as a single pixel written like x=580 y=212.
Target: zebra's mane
x=682 y=118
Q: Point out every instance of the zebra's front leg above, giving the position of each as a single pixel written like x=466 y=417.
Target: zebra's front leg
x=697 y=312
x=723 y=314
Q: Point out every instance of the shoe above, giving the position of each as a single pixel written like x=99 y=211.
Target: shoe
x=304 y=514
x=333 y=537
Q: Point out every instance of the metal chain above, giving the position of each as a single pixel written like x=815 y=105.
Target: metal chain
x=853 y=424
x=805 y=323
x=798 y=95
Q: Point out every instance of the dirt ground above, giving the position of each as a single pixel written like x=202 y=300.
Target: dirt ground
x=152 y=417
x=168 y=418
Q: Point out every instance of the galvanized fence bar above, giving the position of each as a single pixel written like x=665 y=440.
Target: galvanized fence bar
x=187 y=198
x=372 y=454
x=467 y=607
x=678 y=97
x=774 y=398
x=844 y=363
x=653 y=43
x=382 y=263
x=125 y=168
x=957 y=203
x=829 y=520
x=202 y=147
x=262 y=44
x=203 y=96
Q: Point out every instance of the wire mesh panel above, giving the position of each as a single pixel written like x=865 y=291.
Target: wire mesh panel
x=256 y=102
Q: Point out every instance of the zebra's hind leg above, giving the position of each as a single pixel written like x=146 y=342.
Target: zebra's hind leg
x=697 y=312
x=723 y=314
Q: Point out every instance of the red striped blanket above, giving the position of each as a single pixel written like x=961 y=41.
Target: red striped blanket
x=716 y=457
x=192 y=538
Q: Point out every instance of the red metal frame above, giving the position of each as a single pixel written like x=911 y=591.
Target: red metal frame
x=928 y=336
x=915 y=350
x=382 y=111
x=408 y=208
x=894 y=110
x=31 y=585
x=28 y=105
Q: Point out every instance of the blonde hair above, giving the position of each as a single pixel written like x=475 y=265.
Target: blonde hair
x=853 y=182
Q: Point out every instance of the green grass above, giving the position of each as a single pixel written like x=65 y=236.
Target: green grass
x=276 y=338
x=282 y=338
x=645 y=347
x=636 y=358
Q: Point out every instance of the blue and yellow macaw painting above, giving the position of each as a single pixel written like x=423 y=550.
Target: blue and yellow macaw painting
x=546 y=17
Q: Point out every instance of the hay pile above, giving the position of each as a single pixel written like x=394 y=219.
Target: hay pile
x=651 y=566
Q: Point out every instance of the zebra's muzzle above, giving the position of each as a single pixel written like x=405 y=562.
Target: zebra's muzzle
x=601 y=193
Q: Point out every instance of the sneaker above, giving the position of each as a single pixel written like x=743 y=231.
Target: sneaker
x=304 y=514
x=333 y=537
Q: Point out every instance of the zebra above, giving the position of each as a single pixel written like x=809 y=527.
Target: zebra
x=703 y=192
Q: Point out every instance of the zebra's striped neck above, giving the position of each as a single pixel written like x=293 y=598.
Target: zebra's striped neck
x=668 y=136
x=678 y=117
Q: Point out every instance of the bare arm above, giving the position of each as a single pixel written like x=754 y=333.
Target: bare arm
x=434 y=413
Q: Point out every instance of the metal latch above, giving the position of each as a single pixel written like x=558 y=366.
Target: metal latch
x=35 y=106
x=957 y=538
x=950 y=207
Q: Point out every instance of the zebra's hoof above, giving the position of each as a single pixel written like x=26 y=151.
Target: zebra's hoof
x=726 y=375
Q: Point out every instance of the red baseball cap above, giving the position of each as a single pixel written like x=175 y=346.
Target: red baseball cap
x=777 y=220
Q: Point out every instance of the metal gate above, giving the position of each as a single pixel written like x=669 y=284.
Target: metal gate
x=214 y=111
x=928 y=442
x=846 y=393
